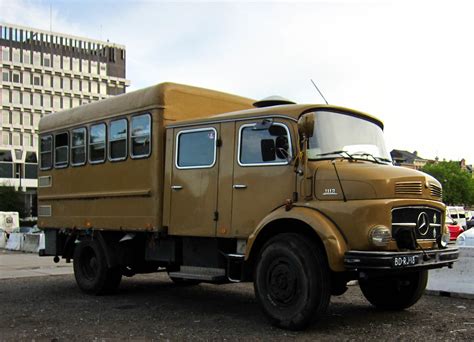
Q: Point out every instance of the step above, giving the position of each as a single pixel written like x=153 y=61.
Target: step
x=199 y=273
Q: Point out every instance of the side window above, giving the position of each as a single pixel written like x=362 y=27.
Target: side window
x=264 y=145
x=118 y=140
x=61 y=148
x=97 y=143
x=78 y=146
x=46 y=161
x=140 y=136
x=196 y=148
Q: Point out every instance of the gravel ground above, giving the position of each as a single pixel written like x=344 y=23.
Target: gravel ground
x=152 y=307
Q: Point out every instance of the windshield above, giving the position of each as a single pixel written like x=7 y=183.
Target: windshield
x=338 y=134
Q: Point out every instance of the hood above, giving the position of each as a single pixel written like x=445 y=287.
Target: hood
x=367 y=180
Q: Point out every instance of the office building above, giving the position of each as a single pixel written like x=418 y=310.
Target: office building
x=44 y=72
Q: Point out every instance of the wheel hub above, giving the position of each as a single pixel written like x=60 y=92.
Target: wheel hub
x=281 y=282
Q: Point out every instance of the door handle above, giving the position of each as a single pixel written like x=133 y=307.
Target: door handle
x=176 y=187
x=240 y=186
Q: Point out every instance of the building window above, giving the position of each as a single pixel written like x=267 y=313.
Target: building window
x=118 y=140
x=46 y=154
x=46 y=62
x=78 y=147
x=61 y=147
x=196 y=148
x=140 y=136
x=5 y=76
x=264 y=146
x=97 y=144
x=6 y=164
x=27 y=119
x=26 y=57
x=5 y=55
x=6 y=138
x=37 y=80
x=6 y=118
x=16 y=139
x=31 y=165
x=16 y=77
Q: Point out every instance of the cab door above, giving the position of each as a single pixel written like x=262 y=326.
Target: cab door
x=263 y=175
x=194 y=181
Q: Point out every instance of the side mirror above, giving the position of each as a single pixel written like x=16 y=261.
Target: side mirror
x=282 y=147
x=268 y=149
x=306 y=125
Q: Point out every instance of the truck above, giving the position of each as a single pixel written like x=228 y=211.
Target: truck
x=299 y=199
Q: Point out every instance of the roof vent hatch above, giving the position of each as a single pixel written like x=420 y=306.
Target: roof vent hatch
x=274 y=100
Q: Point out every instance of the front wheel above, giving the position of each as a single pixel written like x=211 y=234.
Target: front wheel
x=395 y=292
x=291 y=281
x=92 y=274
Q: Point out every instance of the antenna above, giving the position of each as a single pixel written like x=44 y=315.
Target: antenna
x=50 y=17
x=319 y=91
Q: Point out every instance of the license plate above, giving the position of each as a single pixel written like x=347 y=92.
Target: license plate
x=404 y=260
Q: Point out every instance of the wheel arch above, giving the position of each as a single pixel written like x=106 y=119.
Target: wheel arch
x=305 y=221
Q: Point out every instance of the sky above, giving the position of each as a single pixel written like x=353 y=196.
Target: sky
x=409 y=63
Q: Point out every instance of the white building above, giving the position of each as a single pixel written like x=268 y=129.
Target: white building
x=43 y=72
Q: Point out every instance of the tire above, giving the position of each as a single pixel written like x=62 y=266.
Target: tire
x=292 y=282
x=395 y=292
x=92 y=274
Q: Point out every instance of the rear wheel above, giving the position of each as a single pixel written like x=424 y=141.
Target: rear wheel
x=92 y=274
x=395 y=292
x=291 y=281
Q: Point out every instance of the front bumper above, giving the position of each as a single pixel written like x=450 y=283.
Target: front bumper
x=410 y=260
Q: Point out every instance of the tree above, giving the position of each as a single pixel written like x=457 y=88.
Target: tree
x=11 y=200
x=458 y=186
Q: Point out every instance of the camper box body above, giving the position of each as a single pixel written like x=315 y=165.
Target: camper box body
x=123 y=194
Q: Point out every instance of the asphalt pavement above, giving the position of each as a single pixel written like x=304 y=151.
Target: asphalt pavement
x=150 y=307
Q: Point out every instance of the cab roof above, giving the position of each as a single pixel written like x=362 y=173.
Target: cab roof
x=293 y=111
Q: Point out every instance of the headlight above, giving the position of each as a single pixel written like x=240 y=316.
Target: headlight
x=380 y=236
x=444 y=240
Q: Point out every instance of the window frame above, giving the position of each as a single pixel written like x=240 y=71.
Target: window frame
x=90 y=144
x=239 y=146
x=43 y=152
x=67 y=151
x=85 y=146
x=210 y=166
x=109 y=140
x=130 y=137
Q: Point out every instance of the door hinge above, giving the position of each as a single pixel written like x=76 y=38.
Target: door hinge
x=216 y=215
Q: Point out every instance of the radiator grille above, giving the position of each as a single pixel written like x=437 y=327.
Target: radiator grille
x=408 y=188
x=436 y=191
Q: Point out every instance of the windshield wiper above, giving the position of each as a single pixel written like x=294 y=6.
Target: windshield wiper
x=378 y=160
x=342 y=153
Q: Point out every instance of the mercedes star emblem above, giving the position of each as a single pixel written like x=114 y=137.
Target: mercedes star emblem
x=423 y=223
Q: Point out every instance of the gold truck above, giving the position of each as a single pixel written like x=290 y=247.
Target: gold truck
x=212 y=187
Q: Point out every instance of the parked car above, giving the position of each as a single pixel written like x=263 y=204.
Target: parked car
x=458 y=214
x=466 y=239
x=454 y=228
